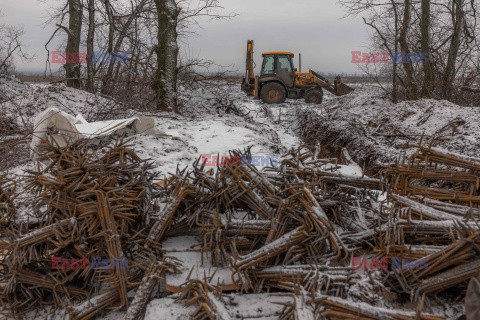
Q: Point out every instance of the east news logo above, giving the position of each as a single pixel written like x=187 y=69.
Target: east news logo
x=396 y=263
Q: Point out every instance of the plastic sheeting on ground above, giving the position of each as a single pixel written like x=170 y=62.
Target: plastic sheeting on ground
x=61 y=128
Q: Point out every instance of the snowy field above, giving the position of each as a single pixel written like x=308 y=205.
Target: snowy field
x=365 y=122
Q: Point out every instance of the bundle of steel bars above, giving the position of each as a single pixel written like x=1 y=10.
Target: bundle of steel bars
x=296 y=228
x=92 y=241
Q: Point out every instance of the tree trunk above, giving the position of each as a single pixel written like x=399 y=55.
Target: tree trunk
x=410 y=87
x=90 y=44
x=165 y=84
x=106 y=87
x=428 y=77
x=394 y=76
x=449 y=76
x=72 y=64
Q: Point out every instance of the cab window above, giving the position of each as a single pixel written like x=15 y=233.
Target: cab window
x=268 y=65
x=284 y=64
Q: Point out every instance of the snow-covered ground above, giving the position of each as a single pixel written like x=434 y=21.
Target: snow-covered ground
x=373 y=129
x=376 y=131
x=190 y=135
x=363 y=122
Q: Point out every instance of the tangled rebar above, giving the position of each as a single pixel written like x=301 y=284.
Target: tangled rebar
x=296 y=228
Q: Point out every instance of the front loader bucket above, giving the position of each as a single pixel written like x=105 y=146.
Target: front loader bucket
x=343 y=89
x=338 y=88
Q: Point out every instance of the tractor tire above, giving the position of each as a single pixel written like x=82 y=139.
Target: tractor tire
x=273 y=92
x=314 y=96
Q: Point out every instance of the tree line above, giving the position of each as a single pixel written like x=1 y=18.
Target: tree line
x=445 y=31
x=148 y=30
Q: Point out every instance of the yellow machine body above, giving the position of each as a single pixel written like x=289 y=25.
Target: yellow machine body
x=282 y=80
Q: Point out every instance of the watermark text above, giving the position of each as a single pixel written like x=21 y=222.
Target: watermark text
x=396 y=263
x=211 y=160
x=384 y=57
x=95 y=263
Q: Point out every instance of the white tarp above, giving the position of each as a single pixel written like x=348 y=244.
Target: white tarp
x=61 y=128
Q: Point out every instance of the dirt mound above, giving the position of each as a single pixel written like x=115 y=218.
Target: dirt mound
x=377 y=132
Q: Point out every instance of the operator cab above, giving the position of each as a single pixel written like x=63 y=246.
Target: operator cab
x=278 y=64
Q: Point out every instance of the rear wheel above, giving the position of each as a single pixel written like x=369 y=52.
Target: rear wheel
x=314 y=96
x=273 y=92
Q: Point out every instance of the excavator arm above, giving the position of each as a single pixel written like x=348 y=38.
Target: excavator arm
x=249 y=61
x=250 y=81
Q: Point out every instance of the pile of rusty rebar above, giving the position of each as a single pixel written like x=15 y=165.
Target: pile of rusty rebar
x=299 y=225
x=292 y=228
x=435 y=217
x=436 y=174
x=89 y=237
x=254 y=221
x=7 y=206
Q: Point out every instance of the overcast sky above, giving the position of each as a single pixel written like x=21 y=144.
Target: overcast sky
x=315 y=28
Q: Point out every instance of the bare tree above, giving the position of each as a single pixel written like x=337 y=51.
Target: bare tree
x=90 y=44
x=149 y=32
x=125 y=22
x=437 y=59
x=394 y=74
x=175 y=18
x=411 y=88
x=449 y=75
x=10 y=46
x=167 y=54
x=428 y=81
x=74 y=31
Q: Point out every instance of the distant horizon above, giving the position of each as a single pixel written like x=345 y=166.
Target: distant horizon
x=58 y=74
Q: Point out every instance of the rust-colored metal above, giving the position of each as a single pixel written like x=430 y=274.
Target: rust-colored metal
x=292 y=228
x=96 y=201
x=208 y=300
x=338 y=308
x=458 y=174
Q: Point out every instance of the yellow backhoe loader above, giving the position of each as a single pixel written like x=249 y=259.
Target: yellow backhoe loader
x=279 y=80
